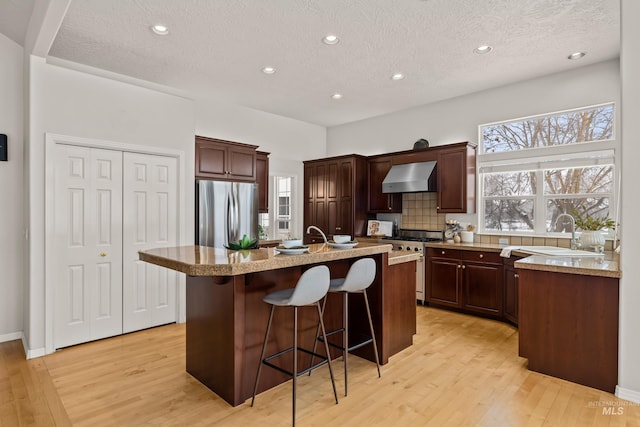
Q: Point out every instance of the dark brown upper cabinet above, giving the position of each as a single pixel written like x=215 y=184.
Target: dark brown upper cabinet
x=262 y=179
x=225 y=160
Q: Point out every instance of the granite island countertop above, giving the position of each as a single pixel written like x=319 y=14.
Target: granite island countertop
x=207 y=261
x=607 y=265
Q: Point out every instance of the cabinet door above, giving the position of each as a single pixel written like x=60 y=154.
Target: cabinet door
x=210 y=161
x=511 y=294
x=443 y=281
x=262 y=179
x=345 y=207
x=332 y=197
x=483 y=288
x=379 y=202
x=452 y=181
x=241 y=164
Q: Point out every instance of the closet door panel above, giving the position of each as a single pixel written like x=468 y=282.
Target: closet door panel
x=87 y=260
x=150 y=221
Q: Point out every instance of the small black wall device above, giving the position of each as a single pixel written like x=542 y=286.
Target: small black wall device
x=3 y=147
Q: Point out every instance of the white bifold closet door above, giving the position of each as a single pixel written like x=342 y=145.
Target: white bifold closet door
x=88 y=244
x=150 y=221
x=109 y=204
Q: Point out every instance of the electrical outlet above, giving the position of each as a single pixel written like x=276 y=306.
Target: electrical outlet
x=503 y=242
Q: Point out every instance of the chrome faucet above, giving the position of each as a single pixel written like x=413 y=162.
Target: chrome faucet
x=320 y=231
x=574 y=245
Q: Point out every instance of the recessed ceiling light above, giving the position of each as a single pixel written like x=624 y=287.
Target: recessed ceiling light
x=483 y=49
x=330 y=39
x=576 y=55
x=268 y=70
x=336 y=96
x=159 y=29
x=397 y=76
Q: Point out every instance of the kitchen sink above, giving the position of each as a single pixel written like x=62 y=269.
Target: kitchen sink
x=556 y=251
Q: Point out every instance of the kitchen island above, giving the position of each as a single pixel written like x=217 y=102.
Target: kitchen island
x=226 y=317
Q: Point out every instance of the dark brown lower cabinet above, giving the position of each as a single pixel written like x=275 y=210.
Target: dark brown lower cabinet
x=467 y=280
x=568 y=326
x=510 y=294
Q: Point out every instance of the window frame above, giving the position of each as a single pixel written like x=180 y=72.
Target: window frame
x=566 y=156
x=273 y=217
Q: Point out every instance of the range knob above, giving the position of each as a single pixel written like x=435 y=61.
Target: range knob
x=400 y=247
x=408 y=248
x=417 y=249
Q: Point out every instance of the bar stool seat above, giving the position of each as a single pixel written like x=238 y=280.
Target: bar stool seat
x=310 y=289
x=360 y=276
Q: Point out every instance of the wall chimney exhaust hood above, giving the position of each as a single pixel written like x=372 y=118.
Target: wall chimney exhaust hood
x=410 y=178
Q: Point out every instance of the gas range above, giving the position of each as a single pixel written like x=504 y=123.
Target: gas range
x=413 y=240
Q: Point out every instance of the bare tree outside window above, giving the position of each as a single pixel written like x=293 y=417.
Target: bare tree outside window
x=510 y=198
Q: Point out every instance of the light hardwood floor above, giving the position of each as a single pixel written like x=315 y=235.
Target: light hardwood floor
x=462 y=371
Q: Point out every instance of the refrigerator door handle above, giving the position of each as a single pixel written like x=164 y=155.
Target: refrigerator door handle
x=232 y=217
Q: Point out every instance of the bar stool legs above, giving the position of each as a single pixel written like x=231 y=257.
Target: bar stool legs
x=294 y=374
x=345 y=334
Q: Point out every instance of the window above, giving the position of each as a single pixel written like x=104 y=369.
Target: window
x=534 y=169
x=281 y=212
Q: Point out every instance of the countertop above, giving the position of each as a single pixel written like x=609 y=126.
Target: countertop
x=607 y=265
x=207 y=261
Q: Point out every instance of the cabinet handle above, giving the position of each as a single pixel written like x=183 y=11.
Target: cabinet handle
x=338 y=228
x=103 y=254
x=437 y=207
x=481 y=255
x=390 y=208
x=459 y=266
x=464 y=266
x=516 y=275
x=442 y=252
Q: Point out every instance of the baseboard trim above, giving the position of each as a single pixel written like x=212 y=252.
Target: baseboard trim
x=11 y=336
x=32 y=353
x=628 y=394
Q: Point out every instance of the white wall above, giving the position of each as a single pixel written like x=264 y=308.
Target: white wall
x=288 y=140
x=629 y=366
x=457 y=119
x=11 y=189
x=68 y=102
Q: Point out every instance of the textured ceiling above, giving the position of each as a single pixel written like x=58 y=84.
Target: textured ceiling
x=216 y=49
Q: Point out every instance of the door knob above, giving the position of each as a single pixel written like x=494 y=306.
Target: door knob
x=103 y=254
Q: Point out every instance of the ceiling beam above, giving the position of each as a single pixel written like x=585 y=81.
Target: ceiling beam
x=44 y=24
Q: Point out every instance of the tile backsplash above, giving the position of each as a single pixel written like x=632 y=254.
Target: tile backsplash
x=419 y=212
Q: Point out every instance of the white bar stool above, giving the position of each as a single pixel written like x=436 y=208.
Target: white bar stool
x=310 y=289
x=359 y=277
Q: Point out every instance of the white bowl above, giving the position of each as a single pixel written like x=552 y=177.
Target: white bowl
x=341 y=238
x=291 y=243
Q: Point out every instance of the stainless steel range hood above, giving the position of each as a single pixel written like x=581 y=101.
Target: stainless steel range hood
x=410 y=178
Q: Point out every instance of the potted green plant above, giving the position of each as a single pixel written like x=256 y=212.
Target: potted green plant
x=243 y=244
x=592 y=227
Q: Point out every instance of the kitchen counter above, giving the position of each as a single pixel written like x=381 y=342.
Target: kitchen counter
x=605 y=266
x=207 y=261
x=226 y=316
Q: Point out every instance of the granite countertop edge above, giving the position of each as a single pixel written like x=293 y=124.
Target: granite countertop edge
x=609 y=267
x=222 y=262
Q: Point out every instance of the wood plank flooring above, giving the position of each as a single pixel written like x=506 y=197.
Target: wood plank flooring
x=461 y=371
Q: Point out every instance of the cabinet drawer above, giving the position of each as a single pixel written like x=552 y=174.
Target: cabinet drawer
x=444 y=253
x=481 y=256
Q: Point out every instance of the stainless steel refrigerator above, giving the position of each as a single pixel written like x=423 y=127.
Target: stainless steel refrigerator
x=225 y=211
